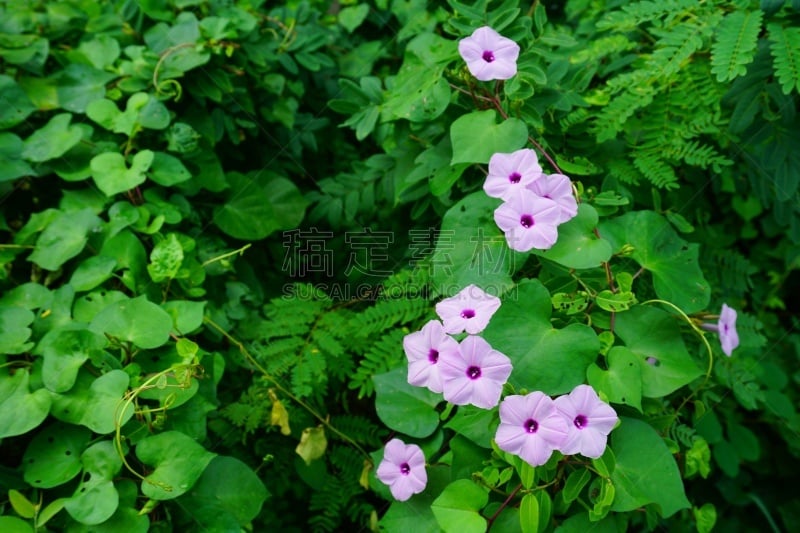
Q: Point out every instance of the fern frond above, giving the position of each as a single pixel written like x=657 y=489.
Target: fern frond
x=389 y=312
x=699 y=155
x=675 y=46
x=603 y=47
x=635 y=14
x=309 y=374
x=360 y=429
x=652 y=167
x=384 y=355
x=785 y=51
x=624 y=171
x=578 y=116
x=735 y=44
x=612 y=118
x=329 y=502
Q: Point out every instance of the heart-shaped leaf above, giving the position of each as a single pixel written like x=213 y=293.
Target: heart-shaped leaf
x=96 y=499
x=52 y=140
x=577 y=245
x=672 y=261
x=64 y=238
x=403 y=407
x=65 y=350
x=622 y=382
x=178 y=462
x=113 y=176
x=14 y=330
x=54 y=455
x=94 y=402
x=136 y=320
x=168 y=170
x=546 y=359
x=477 y=137
x=457 y=509
x=20 y=409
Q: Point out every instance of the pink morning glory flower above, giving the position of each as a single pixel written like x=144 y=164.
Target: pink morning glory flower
x=423 y=349
x=477 y=376
x=508 y=173
x=528 y=221
x=403 y=469
x=726 y=329
x=470 y=310
x=489 y=55
x=589 y=421
x=557 y=187
x=531 y=427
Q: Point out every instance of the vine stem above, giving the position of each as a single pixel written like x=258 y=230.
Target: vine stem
x=702 y=335
x=490 y=521
x=239 y=252
x=284 y=390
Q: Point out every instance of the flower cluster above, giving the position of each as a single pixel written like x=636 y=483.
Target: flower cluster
x=535 y=425
x=534 y=203
x=469 y=372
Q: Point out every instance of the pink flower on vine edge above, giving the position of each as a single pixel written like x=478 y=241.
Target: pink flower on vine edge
x=477 y=376
x=528 y=221
x=589 y=421
x=403 y=469
x=530 y=427
x=470 y=310
x=489 y=55
x=424 y=349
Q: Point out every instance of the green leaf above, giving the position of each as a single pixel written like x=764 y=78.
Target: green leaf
x=178 y=462
x=14 y=330
x=100 y=52
x=471 y=249
x=64 y=238
x=416 y=514
x=65 y=349
x=228 y=489
x=168 y=170
x=735 y=44
x=478 y=425
x=418 y=93
x=92 y=272
x=645 y=472
x=622 y=382
x=54 y=455
x=141 y=110
x=186 y=316
x=351 y=17
x=577 y=245
x=476 y=136
x=52 y=140
x=785 y=50
x=254 y=209
x=96 y=499
x=12 y=166
x=113 y=176
x=16 y=105
x=95 y=402
x=12 y=524
x=21 y=505
x=529 y=513
x=165 y=259
x=20 y=409
x=672 y=261
x=705 y=517
x=457 y=509
x=553 y=361
x=615 y=301
x=651 y=332
x=575 y=483
x=403 y=407
x=136 y=320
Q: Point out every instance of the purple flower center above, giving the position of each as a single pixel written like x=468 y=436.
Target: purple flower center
x=468 y=313
x=474 y=372
x=405 y=469
x=526 y=221
x=531 y=425
x=515 y=177
x=433 y=356
x=580 y=421
x=725 y=328
x=488 y=56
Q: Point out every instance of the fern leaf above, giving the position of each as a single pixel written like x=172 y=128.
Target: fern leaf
x=360 y=429
x=699 y=155
x=389 y=312
x=735 y=45
x=624 y=171
x=637 y=13
x=674 y=48
x=384 y=355
x=612 y=118
x=785 y=51
x=652 y=167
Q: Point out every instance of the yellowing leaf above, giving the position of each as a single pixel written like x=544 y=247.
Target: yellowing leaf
x=312 y=444
x=279 y=416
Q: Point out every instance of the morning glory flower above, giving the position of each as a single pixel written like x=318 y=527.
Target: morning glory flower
x=531 y=427
x=423 y=349
x=589 y=421
x=489 y=55
x=403 y=469
x=470 y=310
x=557 y=187
x=508 y=173
x=528 y=221
x=477 y=376
x=726 y=329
